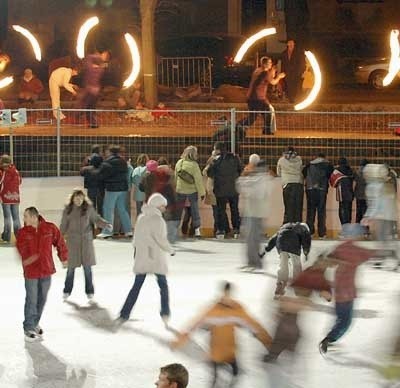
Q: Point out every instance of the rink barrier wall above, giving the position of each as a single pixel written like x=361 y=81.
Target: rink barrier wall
x=50 y=195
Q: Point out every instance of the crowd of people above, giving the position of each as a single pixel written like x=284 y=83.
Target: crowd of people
x=166 y=197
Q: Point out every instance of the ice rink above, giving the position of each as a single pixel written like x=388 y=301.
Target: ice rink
x=80 y=348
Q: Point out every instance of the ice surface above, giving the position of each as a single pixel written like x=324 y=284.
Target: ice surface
x=81 y=350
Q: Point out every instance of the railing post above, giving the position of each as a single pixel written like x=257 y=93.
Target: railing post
x=58 y=141
x=233 y=130
x=11 y=144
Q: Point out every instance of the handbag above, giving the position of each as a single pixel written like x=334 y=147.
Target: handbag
x=185 y=176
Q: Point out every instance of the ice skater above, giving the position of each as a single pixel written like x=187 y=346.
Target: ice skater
x=221 y=319
x=150 y=245
x=348 y=257
x=289 y=240
x=254 y=188
x=34 y=243
x=78 y=220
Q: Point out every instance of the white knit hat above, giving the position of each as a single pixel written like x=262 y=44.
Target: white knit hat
x=157 y=200
x=254 y=159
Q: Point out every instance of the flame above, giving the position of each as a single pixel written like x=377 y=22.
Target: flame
x=317 y=82
x=394 y=64
x=83 y=32
x=133 y=48
x=250 y=41
x=6 y=81
x=33 y=41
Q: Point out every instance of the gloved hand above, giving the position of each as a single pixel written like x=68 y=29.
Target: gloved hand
x=173 y=253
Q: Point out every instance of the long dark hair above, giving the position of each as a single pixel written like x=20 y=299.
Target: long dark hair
x=85 y=205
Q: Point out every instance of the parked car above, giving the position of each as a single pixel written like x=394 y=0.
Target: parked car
x=372 y=72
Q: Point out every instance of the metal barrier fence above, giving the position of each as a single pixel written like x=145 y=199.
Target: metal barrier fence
x=49 y=147
x=182 y=72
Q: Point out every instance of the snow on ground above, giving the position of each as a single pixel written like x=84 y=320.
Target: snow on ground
x=81 y=350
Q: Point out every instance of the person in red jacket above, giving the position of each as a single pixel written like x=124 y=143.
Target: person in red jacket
x=34 y=243
x=29 y=88
x=10 y=180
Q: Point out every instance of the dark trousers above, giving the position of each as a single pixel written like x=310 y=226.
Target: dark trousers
x=259 y=105
x=135 y=290
x=345 y=212
x=235 y=371
x=96 y=195
x=69 y=280
x=361 y=208
x=316 y=203
x=221 y=213
x=293 y=201
x=344 y=315
x=89 y=101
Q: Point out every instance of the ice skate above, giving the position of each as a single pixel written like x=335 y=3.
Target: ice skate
x=197 y=233
x=39 y=331
x=280 y=289
x=66 y=296
x=91 y=300
x=31 y=336
x=165 y=319
x=118 y=323
x=323 y=346
x=104 y=236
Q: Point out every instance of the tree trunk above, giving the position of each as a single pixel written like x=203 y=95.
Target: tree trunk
x=147 y=10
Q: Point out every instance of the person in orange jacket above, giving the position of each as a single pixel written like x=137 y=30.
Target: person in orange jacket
x=222 y=319
x=34 y=243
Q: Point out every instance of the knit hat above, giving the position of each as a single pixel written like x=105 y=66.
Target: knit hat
x=151 y=165
x=254 y=159
x=157 y=200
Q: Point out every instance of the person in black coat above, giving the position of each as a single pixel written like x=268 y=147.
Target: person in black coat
x=342 y=179
x=91 y=182
x=316 y=174
x=289 y=240
x=113 y=173
x=225 y=169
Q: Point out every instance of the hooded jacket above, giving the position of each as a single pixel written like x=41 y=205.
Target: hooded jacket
x=289 y=168
x=317 y=174
x=10 y=180
x=35 y=248
x=150 y=242
x=221 y=319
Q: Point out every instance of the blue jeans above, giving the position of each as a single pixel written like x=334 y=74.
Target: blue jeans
x=194 y=206
x=112 y=200
x=344 y=315
x=69 y=280
x=10 y=211
x=135 y=290
x=36 y=296
x=172 y=230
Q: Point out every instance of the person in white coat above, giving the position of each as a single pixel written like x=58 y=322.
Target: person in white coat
x=59 y=78
x=150 y=248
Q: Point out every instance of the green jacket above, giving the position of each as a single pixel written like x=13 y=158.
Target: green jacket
x=193 y=169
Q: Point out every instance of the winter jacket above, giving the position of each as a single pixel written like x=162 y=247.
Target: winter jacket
x=317 y=174
x=192 y=167
x=289 y=168
x=35 y=248
x=150 y=242
x=360 y=184
x=350 y=256
x=113 y=173
x=91 y=180
x=78 y=232
x=382 y=201
x=149 y=183
x=290 y=238
x=344 y=186
x=10 y=180
x=225 y=169
x=33 y=86
x=254 y=190
x=221 y=319
x=136 y=178
x=166 y=186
